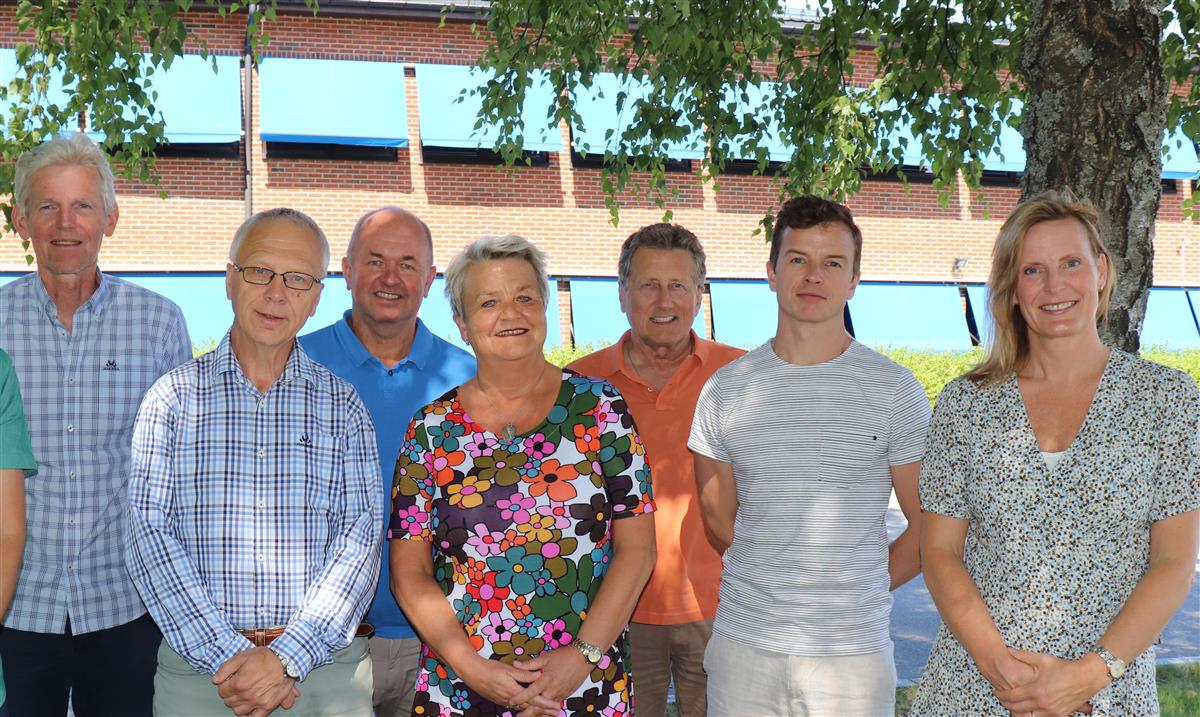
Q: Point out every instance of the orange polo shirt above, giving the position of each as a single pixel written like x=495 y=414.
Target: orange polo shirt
x=683 y=587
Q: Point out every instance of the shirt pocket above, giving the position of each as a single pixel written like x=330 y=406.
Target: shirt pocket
x=849 y=451
x=314 y=459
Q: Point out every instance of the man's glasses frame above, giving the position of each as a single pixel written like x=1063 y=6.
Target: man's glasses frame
x=261 y=276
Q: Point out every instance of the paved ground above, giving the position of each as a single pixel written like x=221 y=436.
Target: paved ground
x=915 y=619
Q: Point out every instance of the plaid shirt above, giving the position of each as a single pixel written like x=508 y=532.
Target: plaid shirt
x=254 y=510
x=81 y=389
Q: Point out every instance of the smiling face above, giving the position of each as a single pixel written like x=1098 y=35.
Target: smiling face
x=65 y=220
x=813 y=277
x=504 y=313
x=1059 y=280
x=661 y=298
x=268 y=317
x=389 y=269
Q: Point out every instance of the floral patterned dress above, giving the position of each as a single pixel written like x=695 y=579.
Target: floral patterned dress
x=521 y=532
x=1056 y=552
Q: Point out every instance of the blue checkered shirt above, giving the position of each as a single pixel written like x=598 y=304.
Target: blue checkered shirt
x=254 y=510
x=81 y=390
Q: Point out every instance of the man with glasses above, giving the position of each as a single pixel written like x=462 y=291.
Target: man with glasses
x=256 y=513
x=398 y=365
x=85 y=346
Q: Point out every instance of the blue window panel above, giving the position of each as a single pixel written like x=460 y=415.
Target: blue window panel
x=757 y=103
x=1179 y=157
x=448 y=122
x=979 y=308
x=347 y=102
x=1010 y=156
x=439 y=319
x=918 y=316
x=56 y=93
x=596 y=316
x=200 y=106
x=597 y=108
x=745 y=313
x=1169 y=320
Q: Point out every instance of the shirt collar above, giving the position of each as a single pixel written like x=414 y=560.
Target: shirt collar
x=612 y=359
x=95 y=303
x=298 y=365
x=418 y=352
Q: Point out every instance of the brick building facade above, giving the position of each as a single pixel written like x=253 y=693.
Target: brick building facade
x=910 y=236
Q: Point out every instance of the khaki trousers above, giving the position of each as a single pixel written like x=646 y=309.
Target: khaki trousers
x=394 y=664
x=341 y=688
x=660 y=653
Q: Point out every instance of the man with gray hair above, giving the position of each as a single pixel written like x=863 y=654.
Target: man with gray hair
x=659 y=366
x=255 y=511
x=86 y=346
x=388 y=354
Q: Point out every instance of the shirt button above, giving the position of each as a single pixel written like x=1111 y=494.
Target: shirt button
x=70 y=521
x=391 y=371
x=71 y=380
x=72 y=474
x=262 y=504
x=70 y=428
x=262 y=452
x=70 y=566
x=261 y=557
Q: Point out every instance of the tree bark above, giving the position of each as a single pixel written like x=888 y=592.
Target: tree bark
x=1094 y=123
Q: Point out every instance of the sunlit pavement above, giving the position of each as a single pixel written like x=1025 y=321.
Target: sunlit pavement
x=915 y=620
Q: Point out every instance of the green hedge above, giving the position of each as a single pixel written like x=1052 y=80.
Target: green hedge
x=934 y=369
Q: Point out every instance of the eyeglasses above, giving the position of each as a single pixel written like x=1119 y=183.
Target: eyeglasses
x=262 y=276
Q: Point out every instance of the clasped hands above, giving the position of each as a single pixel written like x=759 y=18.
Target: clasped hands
x=531 y=688
x=1034 y=683
x=252 y=683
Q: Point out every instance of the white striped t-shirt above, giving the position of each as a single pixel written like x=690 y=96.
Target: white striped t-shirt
x=810 y=448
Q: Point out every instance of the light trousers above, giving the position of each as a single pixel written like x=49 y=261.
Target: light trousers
x=745 y=681
x=341 y=688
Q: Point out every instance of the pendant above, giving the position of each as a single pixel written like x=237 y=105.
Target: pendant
x=509 y=432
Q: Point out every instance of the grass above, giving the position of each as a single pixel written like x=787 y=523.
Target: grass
x=1178 y=691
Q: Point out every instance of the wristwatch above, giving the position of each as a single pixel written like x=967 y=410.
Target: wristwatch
x=591 y=653
x=289 y=667
x=1116 y=666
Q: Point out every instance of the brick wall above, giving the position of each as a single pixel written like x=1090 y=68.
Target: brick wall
x=910 y=233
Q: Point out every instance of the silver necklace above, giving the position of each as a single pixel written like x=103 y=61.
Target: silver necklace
x=509 y=431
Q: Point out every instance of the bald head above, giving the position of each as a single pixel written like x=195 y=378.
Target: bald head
x=386 y=220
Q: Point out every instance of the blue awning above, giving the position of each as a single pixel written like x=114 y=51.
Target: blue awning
x=596 y=316
x=745 y=312
x=1010 y=156
x=1170 y=321
x=56 y=94
x=1179 y=157
x=757 y=103
x=199 y=106
x=919 y=316
x=448 y=115
x=349 y=102
x=602 y=124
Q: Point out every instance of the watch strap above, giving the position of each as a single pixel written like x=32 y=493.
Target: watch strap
x=1116 y=666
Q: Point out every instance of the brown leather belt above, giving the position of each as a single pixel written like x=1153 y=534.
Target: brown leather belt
x=264 y=636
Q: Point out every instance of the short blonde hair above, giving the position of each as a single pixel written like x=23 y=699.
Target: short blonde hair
x=1009 y=346
x=490 y=248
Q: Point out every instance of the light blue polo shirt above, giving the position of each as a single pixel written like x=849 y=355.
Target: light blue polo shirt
x=392 y=395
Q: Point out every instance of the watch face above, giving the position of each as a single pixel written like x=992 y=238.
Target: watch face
x=1117 y=669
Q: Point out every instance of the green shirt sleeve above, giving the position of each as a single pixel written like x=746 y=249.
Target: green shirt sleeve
x=15 y=450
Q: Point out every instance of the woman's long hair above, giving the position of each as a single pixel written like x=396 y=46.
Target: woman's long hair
x=1009 y=346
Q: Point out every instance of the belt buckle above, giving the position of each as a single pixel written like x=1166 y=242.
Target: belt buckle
x=260 y=637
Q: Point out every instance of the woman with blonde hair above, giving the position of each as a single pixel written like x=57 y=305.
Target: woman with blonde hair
x=1061 y=488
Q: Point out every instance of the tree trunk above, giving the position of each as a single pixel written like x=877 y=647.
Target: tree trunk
x=1094 y=123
